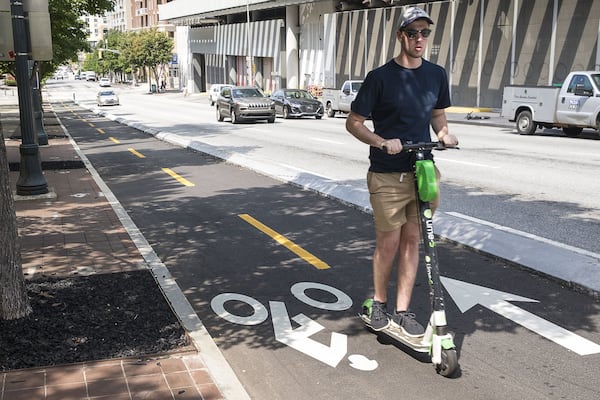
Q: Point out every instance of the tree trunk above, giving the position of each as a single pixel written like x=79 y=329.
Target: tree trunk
x=14 y=302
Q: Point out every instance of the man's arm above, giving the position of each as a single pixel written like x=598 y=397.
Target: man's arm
x=439 y=123
x=355 y=124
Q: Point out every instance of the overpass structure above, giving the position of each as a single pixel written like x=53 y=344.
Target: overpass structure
x=483 y=44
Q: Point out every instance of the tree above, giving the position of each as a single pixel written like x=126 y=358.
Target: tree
x=68 y=38
x=14 y=302
x=91 y=62
x=148 y=49
x=110 y=48
x=68 y=31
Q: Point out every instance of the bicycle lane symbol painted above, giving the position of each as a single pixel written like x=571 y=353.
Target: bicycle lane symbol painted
x=298 y=338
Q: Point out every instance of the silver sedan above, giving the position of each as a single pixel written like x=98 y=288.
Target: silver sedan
x=107 y=98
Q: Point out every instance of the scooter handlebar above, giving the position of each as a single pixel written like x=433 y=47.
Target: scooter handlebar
x=411 y=147
x=414 y=147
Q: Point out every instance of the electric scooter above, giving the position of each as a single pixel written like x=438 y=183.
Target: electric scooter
x=437 y=340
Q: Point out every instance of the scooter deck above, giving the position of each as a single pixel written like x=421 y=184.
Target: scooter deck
x=416 y=343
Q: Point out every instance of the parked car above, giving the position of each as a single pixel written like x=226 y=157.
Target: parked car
x=104 y=82
x=214 y=91
x=107 y=98
x=244 y=103
x=297 y=103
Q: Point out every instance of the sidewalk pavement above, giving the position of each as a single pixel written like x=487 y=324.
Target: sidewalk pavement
x=201 y=374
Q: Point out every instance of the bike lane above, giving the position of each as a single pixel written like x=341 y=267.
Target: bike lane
x=287 y=320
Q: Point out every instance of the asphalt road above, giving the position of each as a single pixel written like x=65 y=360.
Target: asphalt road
x=539 y=186
x=242 y=283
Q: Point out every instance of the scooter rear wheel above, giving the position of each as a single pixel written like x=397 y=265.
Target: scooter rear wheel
x=449 y=363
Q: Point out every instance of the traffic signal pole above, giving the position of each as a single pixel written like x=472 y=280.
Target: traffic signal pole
x=31 y=179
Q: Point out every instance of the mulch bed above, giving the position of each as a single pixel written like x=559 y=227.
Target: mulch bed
x=86 y=318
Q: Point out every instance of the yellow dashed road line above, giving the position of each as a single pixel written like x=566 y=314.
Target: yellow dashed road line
x=293 y=247
x=114 y=140
x=180 y=179
x=136 y=153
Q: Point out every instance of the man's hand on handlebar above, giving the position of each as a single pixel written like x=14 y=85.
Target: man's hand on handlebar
x=449 y=140
x=391 y=146
x=395 y=146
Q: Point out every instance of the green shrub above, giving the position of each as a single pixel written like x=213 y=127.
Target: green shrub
x=10 y=82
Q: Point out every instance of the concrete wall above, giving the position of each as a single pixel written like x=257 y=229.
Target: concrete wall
x=312 y=44
x=483 y=44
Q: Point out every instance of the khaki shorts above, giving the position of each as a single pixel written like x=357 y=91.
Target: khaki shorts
x=393 y=199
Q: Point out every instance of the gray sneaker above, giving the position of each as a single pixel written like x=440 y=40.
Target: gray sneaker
x=379 y=316
x=406 y=321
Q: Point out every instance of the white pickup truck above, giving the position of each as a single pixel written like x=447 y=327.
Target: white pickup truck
x=573 y=106
x=339 y=100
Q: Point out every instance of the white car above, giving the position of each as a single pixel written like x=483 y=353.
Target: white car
x=104 y=82
x=107 y=98
x=213 y=93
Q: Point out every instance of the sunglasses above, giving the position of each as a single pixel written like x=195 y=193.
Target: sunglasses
x=412 y=33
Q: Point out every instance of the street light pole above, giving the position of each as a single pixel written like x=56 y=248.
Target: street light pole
x=31 y=179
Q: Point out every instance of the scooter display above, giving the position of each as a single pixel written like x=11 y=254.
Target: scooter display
x=437 y=340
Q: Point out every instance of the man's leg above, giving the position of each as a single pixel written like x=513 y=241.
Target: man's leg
x=408 y=262
x=383 y=263
x=383 y=259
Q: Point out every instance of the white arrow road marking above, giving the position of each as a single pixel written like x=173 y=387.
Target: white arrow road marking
x=300 y=340
x=467 y=295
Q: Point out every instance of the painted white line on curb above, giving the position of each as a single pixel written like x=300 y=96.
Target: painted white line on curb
x=219 y=368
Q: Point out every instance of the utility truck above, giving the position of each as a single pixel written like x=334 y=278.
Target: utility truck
x=339 y=100
x=572 y=106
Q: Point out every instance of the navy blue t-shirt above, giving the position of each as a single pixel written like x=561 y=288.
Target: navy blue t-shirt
x=400 y=102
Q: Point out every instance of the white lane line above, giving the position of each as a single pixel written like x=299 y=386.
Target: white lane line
x=221 y=370
x=317 y=139
x=526 y=235
x=302 y=170
x=466 y=163
x=581 y=155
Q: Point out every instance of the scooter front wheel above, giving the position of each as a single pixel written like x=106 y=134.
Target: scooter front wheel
x=449 y=363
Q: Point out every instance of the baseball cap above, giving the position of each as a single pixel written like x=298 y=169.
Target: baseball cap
x=411 y=14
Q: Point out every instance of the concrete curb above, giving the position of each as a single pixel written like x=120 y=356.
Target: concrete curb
x=220 y=370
